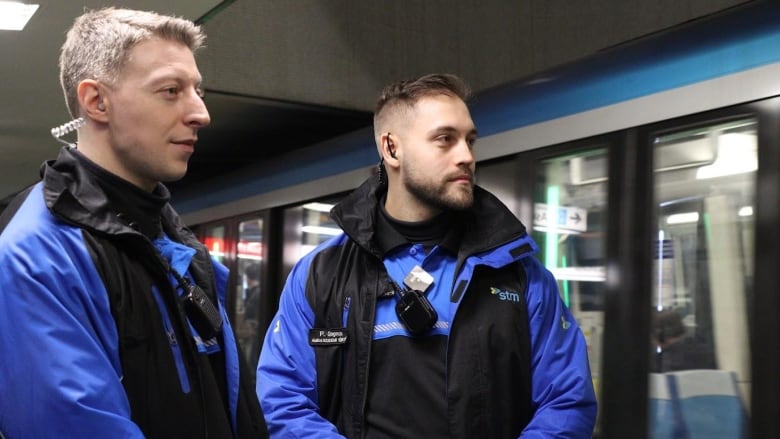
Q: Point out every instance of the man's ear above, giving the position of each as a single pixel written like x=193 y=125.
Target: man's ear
x=91 y=101
x=388 y=146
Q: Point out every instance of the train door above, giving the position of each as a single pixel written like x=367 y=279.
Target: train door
x=563 y=203
x=667 y=258
x=248 y=322
x=242 y=245
x=702 y=276
x=570 y=204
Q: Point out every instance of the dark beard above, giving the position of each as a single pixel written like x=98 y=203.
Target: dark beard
x=433 y=197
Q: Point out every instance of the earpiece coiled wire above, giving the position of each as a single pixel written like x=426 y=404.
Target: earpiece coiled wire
x=66 y=128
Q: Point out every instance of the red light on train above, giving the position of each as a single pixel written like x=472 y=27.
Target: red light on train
x=250 y=249
x=214 y=244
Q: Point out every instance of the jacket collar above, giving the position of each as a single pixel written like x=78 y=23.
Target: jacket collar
x=486 y=225
x=80 y=192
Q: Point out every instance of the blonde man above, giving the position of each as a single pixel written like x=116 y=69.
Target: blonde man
x=112 y=321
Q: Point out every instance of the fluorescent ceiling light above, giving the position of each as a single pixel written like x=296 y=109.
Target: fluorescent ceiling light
x=736 y=155
x=15 y=15
x=682 y=218
x=745 y=211
x=319 y=230
x=545 y=229
x=582 y=274
x=319 y=207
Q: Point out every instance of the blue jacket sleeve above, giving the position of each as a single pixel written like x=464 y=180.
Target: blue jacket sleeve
x=562 y=388
x=286 y=372
x=59 y=364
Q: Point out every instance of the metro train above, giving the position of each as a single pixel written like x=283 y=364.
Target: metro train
x=649 y=174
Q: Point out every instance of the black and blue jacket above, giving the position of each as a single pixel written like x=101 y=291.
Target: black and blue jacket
x=515 y=361
x=94 y=341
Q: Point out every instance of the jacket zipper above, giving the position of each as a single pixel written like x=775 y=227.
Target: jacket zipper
x=371 y=302
x=345 y=312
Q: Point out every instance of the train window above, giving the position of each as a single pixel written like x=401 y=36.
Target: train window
x=570 y=206
x=702 y=276
x=247 y=310
x=305 y=227
x=214 y=240
x=317 y=227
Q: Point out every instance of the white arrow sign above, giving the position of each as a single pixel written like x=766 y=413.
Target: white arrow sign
x=566 y=218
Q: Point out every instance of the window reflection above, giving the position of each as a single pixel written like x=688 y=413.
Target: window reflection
x=214 y=240
x=250 y=265
x=703 y=271
x=305 y=227
x=570 y=208
x=317 y=226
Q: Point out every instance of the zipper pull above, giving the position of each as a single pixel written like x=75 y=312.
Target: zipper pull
x=171 y=337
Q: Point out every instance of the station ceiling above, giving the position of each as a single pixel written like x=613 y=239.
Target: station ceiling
x=281 y=75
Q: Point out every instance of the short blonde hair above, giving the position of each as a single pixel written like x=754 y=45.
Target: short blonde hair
x=98 y=44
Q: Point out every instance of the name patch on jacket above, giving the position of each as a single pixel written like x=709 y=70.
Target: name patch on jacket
x=327 y=337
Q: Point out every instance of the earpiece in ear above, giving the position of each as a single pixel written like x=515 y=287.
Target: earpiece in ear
x=101 y=107
x=390 y=147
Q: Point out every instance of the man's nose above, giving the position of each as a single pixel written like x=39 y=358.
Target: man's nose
x=198 y=115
